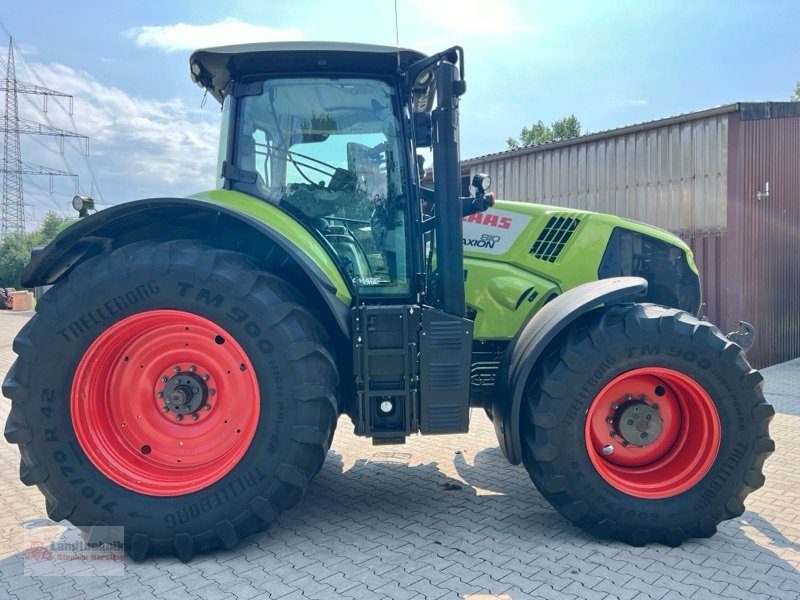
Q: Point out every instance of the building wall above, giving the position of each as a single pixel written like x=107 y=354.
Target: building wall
x=697 y=176
x=674 y=176
x=766 y=239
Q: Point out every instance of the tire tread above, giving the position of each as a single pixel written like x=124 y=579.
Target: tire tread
x=545 y=391
x=309 y=439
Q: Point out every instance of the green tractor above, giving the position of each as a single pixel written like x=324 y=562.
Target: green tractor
x=184 y=375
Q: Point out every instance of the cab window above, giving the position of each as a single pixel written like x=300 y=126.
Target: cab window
x=329 y=151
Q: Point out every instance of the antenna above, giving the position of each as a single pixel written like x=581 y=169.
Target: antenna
x=397 y=35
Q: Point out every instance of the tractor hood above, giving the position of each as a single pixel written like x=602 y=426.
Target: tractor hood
x=521 y=231
x=518 y=256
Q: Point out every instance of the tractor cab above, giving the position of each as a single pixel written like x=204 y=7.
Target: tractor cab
x=329 y=133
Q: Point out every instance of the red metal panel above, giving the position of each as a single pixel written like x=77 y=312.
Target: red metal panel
x=752 y=272
x=768 y=236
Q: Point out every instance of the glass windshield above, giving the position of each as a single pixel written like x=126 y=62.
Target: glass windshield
x=329 y=151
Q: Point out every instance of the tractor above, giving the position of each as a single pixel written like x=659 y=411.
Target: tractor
x=184 y=375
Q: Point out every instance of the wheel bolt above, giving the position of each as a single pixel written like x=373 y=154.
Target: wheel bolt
x=177 y=369
x=165 y=408
x=164 y=379
x=160 y=394
x=179 y=417
x=643 y=398
x=211 y=391
x=625 y=444
x=207 y=406
x=195 y=416
x=612 y=434
x=614 y=406
x=610 y=420
x=628 y=397
x=205 y=377
x=655 y=406
x=193 y=368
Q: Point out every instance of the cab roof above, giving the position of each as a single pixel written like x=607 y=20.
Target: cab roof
x=214 y=68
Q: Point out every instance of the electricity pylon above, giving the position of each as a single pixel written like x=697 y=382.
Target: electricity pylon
x=12 y=217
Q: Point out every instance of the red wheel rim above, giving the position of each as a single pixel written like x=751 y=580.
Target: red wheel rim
x=664 y=455
x=165 y=403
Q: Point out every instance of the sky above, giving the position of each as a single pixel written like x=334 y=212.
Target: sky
x=611 y=63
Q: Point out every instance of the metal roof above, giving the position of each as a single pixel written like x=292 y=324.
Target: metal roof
x=214 y=68
x=747 y=110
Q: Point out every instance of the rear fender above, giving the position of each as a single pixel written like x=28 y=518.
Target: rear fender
x=532 y=340
x=230 y=223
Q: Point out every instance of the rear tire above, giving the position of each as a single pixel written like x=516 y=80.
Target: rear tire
x=231 y=438
x=646 y=425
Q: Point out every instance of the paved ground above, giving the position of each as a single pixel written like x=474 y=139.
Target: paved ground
x=441 y=517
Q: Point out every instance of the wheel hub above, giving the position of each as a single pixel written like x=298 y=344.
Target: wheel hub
x=638 y=423
x=184 y=394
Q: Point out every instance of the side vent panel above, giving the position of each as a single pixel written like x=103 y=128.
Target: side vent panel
x=445 y=361
x=554 y=237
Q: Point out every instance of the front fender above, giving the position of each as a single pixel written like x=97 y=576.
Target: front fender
x=207 y=216
x=528 y=345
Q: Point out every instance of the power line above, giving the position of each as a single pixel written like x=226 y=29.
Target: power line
x=86 y=156
x=13 y=167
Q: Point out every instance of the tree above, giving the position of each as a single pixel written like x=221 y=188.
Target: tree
x=796 y=96
x=15 y=252
x=539 y=133
x=51 y=226
x=15 y=249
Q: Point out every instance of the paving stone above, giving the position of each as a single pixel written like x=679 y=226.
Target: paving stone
x=339 y=582
x=581 y=591
x=212 y=592
x=174 y=594
x=396 y=591
x=428 y=590
x=733 y=591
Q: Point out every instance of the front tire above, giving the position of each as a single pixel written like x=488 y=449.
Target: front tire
x=646 y=425
x=173 y=389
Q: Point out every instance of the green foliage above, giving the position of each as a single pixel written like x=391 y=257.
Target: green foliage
x=15 y=249
x=796 y=96
x=539 y=133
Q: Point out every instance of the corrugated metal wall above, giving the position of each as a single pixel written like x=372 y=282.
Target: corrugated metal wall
x=697 y=176
x=766 y=241
x=673 y=176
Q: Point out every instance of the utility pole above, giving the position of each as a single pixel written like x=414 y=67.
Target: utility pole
x=12 y=217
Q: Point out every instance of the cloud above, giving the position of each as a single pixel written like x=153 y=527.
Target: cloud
x=26 y=49
x=183 y=36
x=140 y=146
x=474 y=16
